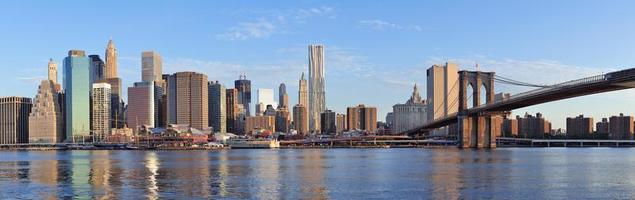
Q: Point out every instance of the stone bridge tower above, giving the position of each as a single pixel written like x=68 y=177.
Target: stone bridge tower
x=475 y=129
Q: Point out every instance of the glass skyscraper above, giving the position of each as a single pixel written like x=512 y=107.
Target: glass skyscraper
x=77 y=86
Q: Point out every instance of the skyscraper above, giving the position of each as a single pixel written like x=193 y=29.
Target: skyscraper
x=300 y=119
x=303 y=95
x=362 y=117
x=187 y=99
x=244 y=93
x=232 y=110
x=265 y=98
x=76 y=95
x=96 y=68
x=217 y=106
x=151 y=66
x=100 y=111
x=283 y=97
x=329 y=122
x=283 y=120
x=45 y=120
x=141 y=105
x=317 y=99
x=442 y=92
x=14 y=120
x=52 y=69
x=111 y=60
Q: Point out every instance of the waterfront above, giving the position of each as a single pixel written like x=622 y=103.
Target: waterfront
x=441 y=173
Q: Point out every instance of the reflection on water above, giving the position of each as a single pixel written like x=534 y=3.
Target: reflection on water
x=319 y=174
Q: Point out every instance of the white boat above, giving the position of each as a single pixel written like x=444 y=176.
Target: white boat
x=252 y=144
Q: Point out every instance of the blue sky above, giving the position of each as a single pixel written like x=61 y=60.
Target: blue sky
x=375 y=51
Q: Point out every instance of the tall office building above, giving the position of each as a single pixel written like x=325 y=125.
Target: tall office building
x=244 y=93
x=329 y=122
x=217 y=106
x=283 y=121
x=283 y=97
x=362 y=117
x=141 y=105
x=111 y=60
x=100 y=111
x=151 y=66
x=303 y=93
x=265 y=98
x=442 y=92
x=77 y=95
x=97 y=67
x=341 y=123
x=52 y=69
x=317 y=97
x=14 y=120
x=232 y=109
x=579 y=127
x=621 y=127
x=187 y=99
x=300 y=119
x=45 y=120
x=409 y=115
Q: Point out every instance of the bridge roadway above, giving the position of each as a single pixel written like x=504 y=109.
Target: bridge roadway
x=613 y=81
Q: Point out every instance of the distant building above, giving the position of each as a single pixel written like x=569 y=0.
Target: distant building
x=390 y=119
x=259 y=123
x=300 y=119
x=303 y=95
x=579 y=127
x=151 y=66
x=243 y=86
x=621 y=127
x=141 y=106
x=265 y=98
x=188 y=99
x=409 y=115
x=46 y=121
x=232 y=109
x=533 y=127
x=341 y=123
x=52 y=71
x=328 y=122
x=362 y=118
x=602 y=127
x=442 y=91
x=96 y=68
x=283 y=121
x=510 y=128
x=217 y=106
x=283 y=97
x=14 y=120
x=111 y=60
x=317 y=92
x=77 y=95
x=100 y=115
x=269 y=111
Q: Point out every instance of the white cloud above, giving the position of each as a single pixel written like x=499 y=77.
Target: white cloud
x=382 y=25
x=273 y=22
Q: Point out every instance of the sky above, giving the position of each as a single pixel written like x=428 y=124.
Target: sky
x=375 y=50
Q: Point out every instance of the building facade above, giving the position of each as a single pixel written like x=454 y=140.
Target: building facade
x=283 y=120
x=409 y=115
x=111 y=60
x=602 y=127
x=535 y=127
x=258 y=123
x=510 y=128
x=46 y=120
x=300 y=119
x=217 y=106
x=265 y=98
x=340 y=127
x=187 y=99
x=442 y=92
x=100 y=115
x=362 y=117
x=141 y=106
x=244 y=93
x=328 y=122
x=579 y=127
x=14 y=119
x=283 y=97
x=97 y=67
x=77 y=95
x=317 y=92
x=232 y=110
x=621 y=127
x=151 y=66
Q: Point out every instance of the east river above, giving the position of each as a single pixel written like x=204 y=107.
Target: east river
x=444 y=173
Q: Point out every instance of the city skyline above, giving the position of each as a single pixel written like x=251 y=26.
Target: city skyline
x=403 y=46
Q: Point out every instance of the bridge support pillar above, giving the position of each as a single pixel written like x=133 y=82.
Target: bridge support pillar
x=476 y=130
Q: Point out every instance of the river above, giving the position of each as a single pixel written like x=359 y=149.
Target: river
x=427 y=173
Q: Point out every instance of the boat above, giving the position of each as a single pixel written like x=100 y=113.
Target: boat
x=253 y=144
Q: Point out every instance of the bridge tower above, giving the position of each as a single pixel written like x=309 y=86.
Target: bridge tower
x=475 y=129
